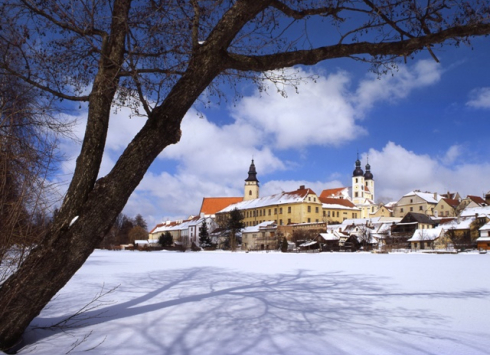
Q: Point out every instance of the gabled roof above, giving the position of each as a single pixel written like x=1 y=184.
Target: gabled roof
x=334 y=193
x=426 y=196
x=478 y=200
x=426 y=234
x=211 y=205
x=282 y=198
x=451 y=202
x=416 y=217
x=336 y=203
x=481 y=211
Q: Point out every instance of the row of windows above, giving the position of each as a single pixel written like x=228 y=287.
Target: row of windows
x=421 y=208
x=281 y=222
x=264 y=212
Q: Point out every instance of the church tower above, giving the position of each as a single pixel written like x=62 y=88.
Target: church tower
x=369 y=181
x=358 y=183
x=251 y=184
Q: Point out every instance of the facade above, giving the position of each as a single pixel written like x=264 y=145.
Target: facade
x=416 y=202
x=446 y=208
x=337 y=210
x=434 y=239
x=260 y=237
x=300 y=206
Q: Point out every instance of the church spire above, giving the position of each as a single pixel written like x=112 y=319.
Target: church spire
x=251 y=184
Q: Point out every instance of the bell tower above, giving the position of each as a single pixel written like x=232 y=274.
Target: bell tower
x=251 y=184
x=358 y=183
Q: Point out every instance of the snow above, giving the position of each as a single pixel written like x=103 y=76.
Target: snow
x=271 y=303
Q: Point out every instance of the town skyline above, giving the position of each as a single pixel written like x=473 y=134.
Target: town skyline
x=421 y=127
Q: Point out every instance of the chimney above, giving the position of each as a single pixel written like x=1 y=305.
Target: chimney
x=302 y=187
x=435 y=196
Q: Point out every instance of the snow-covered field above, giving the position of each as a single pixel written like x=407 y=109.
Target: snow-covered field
x=271 y=303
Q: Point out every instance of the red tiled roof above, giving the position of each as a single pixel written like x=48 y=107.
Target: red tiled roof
x=451 y=202
x=328 y=193
x=211 y=205
x=477 y=199
x=337 y=201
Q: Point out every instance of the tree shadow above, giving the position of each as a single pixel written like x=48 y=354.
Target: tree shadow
x=218 y=311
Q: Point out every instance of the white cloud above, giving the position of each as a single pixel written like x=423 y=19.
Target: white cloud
x=480 y=98
x=319 y=114
x=397 y=86
x=398 y=171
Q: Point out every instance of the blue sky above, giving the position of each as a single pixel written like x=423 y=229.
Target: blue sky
x=424 y=126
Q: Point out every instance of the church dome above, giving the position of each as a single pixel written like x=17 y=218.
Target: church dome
x=368 y=175
x=358 y=171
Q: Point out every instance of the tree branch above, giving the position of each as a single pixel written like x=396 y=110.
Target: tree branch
x=310 y=57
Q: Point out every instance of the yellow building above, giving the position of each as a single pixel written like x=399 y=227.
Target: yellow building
x=418 y=202
x=337 y=210
x=300 y=206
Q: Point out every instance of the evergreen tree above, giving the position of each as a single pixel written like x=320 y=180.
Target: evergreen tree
x=165 y=240
x=234 y=224
x=204 y=240
x=284 y=245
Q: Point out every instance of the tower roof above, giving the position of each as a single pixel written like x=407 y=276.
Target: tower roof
x=368 y=175
x=252 y=173
x=358 y=171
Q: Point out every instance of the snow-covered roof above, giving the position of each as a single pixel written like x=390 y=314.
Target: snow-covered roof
x=483 y=239
x=427 y=196
x=486 y=227
x=297 y=196
x=339 y=206
x=426 y=234
x=460 y=223
x=307 y=244
x=256 y=228
x=481 y=211
x=332 y=235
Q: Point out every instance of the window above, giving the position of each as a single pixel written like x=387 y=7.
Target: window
x=280 y=211
x=411 y=209
x=250 y=192
x=275 y=210
x=289 y=220
x=401 y=209
x=309 y=198
x=356 y=194
x=316 y=209
x=269 y=211
x=309 y=209
x=324 y=214
x=338 y=214
x=316 y=220
x=421 y=208
x=357 y=180
x=411 y=200
x=328 y=214
x=280 y=222
x=289 y=209
x=309 y=220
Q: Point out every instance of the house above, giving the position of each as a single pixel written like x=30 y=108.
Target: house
x=464 y=231
x=329 y=241
x=416 y=201
x=446 y=208
x=260 y=237
x=483 y=242
x=429 y=239
x=404 y=230
x=336 y=210
x=299 y=206
x=382 y=211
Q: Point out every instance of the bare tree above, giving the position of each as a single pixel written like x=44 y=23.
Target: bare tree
x=158 y=57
